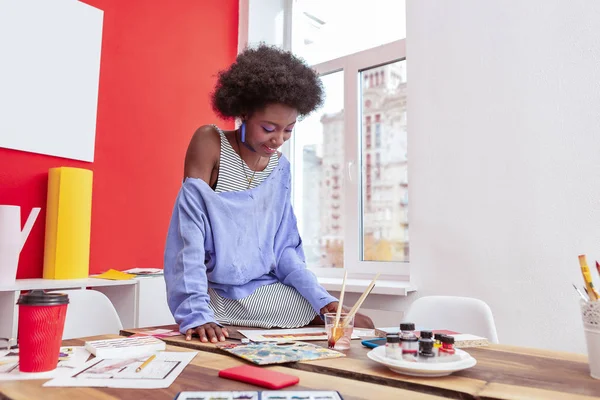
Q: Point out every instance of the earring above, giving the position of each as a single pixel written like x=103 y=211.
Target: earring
x=243 y=131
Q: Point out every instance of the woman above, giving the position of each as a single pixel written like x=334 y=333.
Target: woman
x=233 y=253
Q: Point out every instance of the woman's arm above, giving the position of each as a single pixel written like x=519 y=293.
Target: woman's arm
x=185 y=269
x=291 y=268
x=291 y=265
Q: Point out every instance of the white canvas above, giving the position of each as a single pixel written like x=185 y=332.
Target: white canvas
x=49 y=75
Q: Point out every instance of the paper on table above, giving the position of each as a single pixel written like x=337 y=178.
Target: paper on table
x=144 y=271
x=157 y=333
x=114 y=275
x=74 y=358
x=364 y=333
x=120 y=373
x=461 y=340
x=300 y=334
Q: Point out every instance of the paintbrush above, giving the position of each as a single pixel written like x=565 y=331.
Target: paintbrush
x=361 y=300
x=354 y=310
x=336 y=331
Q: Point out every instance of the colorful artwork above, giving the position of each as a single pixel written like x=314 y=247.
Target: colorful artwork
x=279 y=353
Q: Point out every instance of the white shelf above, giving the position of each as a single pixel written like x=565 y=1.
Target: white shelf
x=386 y=287
x=139 y=302
x=31 y=284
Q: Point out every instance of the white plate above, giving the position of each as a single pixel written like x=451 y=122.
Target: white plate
x=425 y=369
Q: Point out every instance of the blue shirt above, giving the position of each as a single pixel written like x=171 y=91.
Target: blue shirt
x=234 y=242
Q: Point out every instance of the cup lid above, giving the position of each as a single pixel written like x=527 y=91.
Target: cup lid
x=447 y=339
x=426 y=334
x=393 y=338
x=41 y=298
x=407 y=326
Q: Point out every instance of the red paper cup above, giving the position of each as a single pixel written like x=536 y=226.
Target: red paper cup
x=41 y=324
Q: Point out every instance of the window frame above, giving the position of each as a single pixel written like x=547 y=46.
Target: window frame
x=352 y=65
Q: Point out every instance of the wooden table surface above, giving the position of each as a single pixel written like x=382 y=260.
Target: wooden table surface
x=502 y=372
x=202 y=374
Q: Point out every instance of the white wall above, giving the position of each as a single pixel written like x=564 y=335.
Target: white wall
x=265 y=22
x=504 y=147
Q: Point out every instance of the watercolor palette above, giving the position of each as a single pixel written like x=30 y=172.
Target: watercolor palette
x=262 y=395
x=461 y=360
x=279 y=353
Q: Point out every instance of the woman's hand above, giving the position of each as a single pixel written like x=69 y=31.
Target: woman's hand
x=360 y=320
x=208 y=332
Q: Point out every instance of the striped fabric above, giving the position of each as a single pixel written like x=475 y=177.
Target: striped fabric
x=270 y=306
x=234 y=172
x=275 y=305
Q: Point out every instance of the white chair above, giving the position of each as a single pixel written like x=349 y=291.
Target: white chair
x=460 y=314
x=90 y=313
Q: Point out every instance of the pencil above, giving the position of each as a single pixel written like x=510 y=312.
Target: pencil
x=145 y=363
x=587 y=278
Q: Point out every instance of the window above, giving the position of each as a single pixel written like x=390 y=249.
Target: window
x=357 y=218
x=318 y=171
x=385 y=230
x=319 y=25
x=368 y=135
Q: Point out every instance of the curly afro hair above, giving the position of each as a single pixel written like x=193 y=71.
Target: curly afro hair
x=266 y=75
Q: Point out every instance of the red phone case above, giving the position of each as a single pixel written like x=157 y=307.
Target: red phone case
x=259 y=376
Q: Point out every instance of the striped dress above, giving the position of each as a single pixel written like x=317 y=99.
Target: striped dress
x=275 y=305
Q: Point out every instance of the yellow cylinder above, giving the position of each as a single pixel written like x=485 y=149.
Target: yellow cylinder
x=68 y=223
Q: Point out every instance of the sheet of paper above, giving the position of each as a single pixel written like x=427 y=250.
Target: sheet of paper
x=157 y=333
x=160 y=373
x=275 y=335
x=114 y=275
x=144 y=271
x=70 y=359
x=364 y=333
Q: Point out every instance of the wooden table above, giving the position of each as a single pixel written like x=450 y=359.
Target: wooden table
x=201 y=374
x=502 y=372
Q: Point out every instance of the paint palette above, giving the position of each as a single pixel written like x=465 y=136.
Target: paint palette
x=461 y=360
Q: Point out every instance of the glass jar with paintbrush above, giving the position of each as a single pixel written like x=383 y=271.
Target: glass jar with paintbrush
x=339 y=325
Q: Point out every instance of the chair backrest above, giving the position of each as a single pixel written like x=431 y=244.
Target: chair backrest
x=460 y=314
x=90 y=313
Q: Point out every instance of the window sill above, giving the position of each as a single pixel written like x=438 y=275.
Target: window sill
x=386 y=287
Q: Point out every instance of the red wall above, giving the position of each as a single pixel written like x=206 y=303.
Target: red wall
x=158 y=67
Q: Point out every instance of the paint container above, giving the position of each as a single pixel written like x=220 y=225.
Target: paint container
x=408 y=340
x=437 y=343
x=426 y=345
x=447 y=348
x=393 y=349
